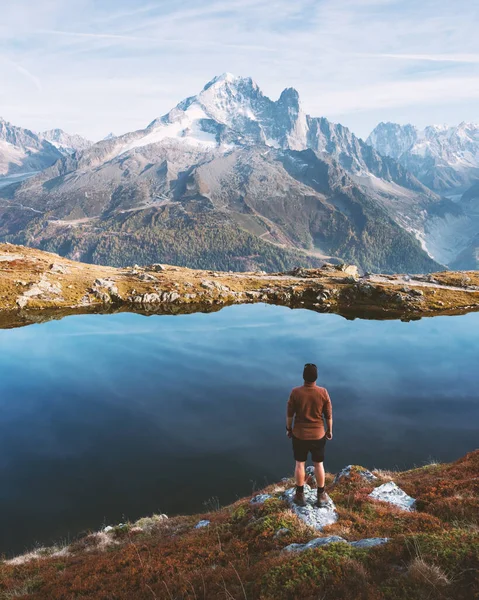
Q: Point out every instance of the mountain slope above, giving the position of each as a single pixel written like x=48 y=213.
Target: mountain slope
x=22 y=151
x=442 y=157
x=65 y=143
x=228 y=158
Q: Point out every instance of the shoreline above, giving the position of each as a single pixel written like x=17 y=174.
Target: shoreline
x=37 y=286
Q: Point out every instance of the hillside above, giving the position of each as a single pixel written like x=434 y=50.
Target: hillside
x=255 y=548
x=36 y=285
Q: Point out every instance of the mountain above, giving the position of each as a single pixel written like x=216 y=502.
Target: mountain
x=443 y=158
x=22 y=151
x=229 y=179
x=65 y=142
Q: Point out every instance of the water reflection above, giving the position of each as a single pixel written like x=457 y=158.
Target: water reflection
x=106 y=417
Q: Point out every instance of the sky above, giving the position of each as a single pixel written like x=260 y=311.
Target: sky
x=95 y=67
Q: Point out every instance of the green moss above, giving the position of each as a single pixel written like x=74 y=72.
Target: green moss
x=311 y=569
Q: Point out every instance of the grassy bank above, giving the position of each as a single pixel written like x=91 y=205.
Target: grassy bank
x=432 y=553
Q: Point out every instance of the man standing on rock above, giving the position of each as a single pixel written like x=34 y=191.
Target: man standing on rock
x=309 y=405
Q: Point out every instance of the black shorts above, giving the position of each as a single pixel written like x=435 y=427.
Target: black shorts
x=301 y=449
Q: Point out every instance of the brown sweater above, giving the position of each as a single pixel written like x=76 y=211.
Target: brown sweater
x=307 y=404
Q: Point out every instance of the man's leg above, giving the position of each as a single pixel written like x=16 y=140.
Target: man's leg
x=322 y=501
x=300 y=473
x=319 y=474
x=299 y=477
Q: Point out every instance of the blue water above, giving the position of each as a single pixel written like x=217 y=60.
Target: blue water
x=113 y=417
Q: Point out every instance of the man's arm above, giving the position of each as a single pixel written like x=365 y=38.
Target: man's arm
x=290 y=412
x=328 y=415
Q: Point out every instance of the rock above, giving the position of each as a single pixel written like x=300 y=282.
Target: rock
x=203 y=523
x=260 y=498
x=350 y=270
x=151 y=299
x=332 y=539
x=156 y=267
x=170 y=296
x=108 y=528
x=316 y=543
x=310 y=514
x=369 y=542
x=365 y=288
x=207 y=285
x=417 y=293
x=58 y=268
x=391 y=493
x=346 y=472
x=99 y=287
x=22 y=301
x=147 y=277
x=281 y=532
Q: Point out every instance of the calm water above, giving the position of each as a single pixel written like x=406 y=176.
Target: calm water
x=111 y=417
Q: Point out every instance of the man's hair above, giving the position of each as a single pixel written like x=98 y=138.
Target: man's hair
x=310 y=372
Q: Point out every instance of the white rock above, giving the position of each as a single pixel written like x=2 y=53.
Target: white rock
x=260 y=498
x=310 y=514
x=58 y=268
x=331 y=539
x=203 y=523
x=346 y=472
x=391 y=493
x=316 y=543
x=108 y=528
x=369 y=542
x=22 y=301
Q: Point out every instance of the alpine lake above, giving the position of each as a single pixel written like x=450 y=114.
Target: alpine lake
x=106 y=418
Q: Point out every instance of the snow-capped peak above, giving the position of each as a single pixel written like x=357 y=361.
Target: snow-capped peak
x=441 y=156
x=66 y=143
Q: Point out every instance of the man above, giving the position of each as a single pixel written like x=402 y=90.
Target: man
x=307 y=405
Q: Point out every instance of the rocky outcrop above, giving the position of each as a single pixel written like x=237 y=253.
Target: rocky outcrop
x=317 y=518
x=31 y=280
x=346 y=473
x=389 y=492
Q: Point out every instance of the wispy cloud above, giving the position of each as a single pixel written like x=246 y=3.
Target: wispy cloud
x=24 y=72
x=456 y=58
x=116 y=65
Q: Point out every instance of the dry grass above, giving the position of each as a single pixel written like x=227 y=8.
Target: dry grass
x=423 y=572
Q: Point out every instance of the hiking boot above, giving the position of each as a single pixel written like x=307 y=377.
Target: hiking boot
x=298 y=498
x=323 y=500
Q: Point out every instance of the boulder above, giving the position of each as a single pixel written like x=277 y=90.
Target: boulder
x=391 y=493
x=316 y=543
x=361 y=471
x=332 y=539
x=58 y=268
x=260 y=498
x=157 y=268
x=310 y=514
x=202 y=523
x=369 y=542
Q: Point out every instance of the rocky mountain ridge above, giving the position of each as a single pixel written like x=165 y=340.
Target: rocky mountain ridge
x=24 y=152
x=443 y=158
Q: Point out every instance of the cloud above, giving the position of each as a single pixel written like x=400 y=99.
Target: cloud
x=457 y=58
x=118 y=64
x=24 y=72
